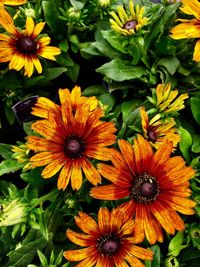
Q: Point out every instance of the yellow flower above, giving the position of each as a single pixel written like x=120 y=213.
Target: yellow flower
x=13 y=2
x=157 y=132
x=127 y=22
x=189 y=28
x=166 y=99
x=22 y=48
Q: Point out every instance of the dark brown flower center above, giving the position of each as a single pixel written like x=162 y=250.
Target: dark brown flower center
x=26 y=45
x=151 y=136
x=108 y=245
x=145 y=188
x=130 y=25
x=74 y=147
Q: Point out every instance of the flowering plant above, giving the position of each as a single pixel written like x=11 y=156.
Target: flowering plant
x=99 y=133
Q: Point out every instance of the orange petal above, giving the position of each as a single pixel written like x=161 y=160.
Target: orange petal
x=109 y=192
x=128 y=154
x=7 y=23
x=87 y=224
x=76 y=175
x=29 y=26
x=79 y=254
x=104 y=220
x=141 y=253
x=75 y=95
x=64 y=176
x=98 y=152
x=90 y=172
x=64 y=95
x=78 y=238
x=134 y=262
x=52 y=168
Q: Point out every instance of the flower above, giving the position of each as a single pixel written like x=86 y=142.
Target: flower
x=127 y=23
x=189 y=28
x=22 y=48
x=108 y=242
x=156 y=131
x=71 y=137
x=155 y=185
x=12 y=2
x=166 y=101
x=44 y=105
x=13 y=212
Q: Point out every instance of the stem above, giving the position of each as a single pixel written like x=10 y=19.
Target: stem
x=45 y=197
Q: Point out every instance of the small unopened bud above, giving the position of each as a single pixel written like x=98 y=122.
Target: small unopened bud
x=13 y=212
x=74 y=13
x=104 y=3
x=29 y=12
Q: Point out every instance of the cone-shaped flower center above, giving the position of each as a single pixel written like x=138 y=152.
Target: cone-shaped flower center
x=74 y=147
x=130 y=25
x=26 y=45
x=108 y=244
x=151 y=136
x=145 y=188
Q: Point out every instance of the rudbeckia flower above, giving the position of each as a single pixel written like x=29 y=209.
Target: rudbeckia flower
x=155 y=185
x=23 y=48
x=44 y=105
x=70 y=139
x=166 y=101
x=130 y=21
x=156 y=131
x=13 y=2
x=107 y=242
x=189 y=28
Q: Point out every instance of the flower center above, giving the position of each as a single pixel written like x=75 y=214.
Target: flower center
x=145 y=189
x=130 y=25
x=74 y=147
x=26 y=45
x=151 y=136
x=108 y=244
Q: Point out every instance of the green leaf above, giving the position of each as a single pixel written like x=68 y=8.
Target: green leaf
x=51 y=15
x=5 y=151
x=175 y=245
x=195 y=107
x=196 y=144
x=107 y=99
x=118 y=71
x=73 y=72
x=156 y=259
x=171 y=64
x=8 y=166
x=185 y=143
x=53 y=73
x=77 y=4
x=94 y=90
x=42 y=258
x=129 y=106
x=24 y=255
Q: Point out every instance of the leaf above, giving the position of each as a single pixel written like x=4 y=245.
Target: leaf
x=53 y=73
x=175 y=245
x=73 y=72
x=129 y=106
x=196 y=144
x=185 y=143
x=118 y=71
x=156 y=259
x=24 y=255
x=8 y=166
x=94 y=90
x=42 y=258
x=195 y=104
x=171 y=64
x=5 y=151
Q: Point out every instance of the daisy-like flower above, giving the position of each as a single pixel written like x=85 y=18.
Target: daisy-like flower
x=156 y=131
x=22 y=49
x=13 y=2
x=70 y=138
x=155 y=185
x=44 y=105
x=166 y=101
x=129 y=21
x=108 y=242
x=189 y=28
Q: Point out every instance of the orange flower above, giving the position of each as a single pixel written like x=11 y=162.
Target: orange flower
x=13 y=2
x=155 y=185
x=22 y=48
x=44 y=105
x=156 y=131
x=71 y=137
x=107 y=243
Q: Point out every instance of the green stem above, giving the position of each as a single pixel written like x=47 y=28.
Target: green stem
x=45 y=197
